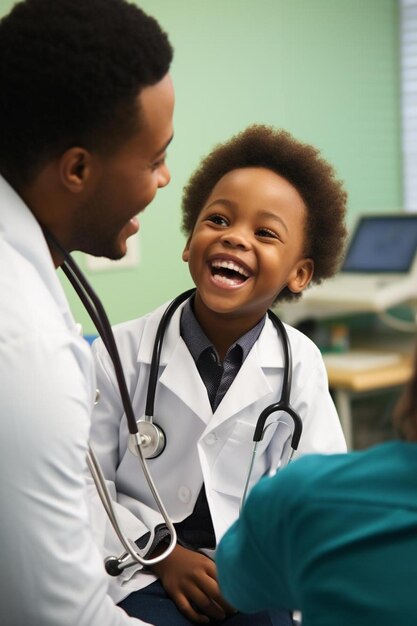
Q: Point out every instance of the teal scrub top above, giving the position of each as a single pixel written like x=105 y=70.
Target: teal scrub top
x=333 y=536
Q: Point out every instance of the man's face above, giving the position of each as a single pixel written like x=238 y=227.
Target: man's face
x=125 y=182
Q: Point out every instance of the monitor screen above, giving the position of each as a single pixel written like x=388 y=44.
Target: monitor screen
x=382 y=244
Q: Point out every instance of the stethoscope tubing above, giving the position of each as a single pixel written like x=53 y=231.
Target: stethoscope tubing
x=97 y=313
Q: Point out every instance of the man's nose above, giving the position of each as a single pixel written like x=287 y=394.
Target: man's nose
x=164 y=176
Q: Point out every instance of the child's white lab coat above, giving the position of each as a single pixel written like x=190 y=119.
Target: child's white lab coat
x=201 y=446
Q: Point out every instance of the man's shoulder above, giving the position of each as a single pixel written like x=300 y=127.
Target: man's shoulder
x=28 y=306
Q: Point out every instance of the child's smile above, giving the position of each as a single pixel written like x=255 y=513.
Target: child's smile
x=228 y=272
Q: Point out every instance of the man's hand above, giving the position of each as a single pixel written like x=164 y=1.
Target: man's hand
x=189 y=578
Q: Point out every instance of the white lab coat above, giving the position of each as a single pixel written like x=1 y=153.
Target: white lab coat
x=201 y=446
x=52 y=573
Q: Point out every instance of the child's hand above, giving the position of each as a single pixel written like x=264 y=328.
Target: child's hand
x=189 y=578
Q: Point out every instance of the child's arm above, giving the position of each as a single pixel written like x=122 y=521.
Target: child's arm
x=190 y=579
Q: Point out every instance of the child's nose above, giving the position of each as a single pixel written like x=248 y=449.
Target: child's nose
x=235 y=240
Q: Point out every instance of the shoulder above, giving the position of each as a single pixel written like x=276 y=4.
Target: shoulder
x=341 y=478
x=135 y=340
x=129 y=335
x=307 y=360
x=300 y=482
x=301 y=344
x=25 y=289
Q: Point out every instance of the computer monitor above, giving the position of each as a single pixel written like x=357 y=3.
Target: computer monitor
x=379 y=270
x=382 y=244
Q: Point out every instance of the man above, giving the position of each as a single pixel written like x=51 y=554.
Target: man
x=86 y=105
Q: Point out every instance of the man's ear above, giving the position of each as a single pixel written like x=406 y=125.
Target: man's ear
x=301 y=275
x=75 y=169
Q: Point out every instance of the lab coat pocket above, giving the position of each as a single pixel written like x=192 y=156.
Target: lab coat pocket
x=230 y=469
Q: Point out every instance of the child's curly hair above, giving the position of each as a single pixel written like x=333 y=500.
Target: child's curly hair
x=300 y=164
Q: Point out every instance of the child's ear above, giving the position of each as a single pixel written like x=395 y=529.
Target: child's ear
x=185 y=252
x=301 y=275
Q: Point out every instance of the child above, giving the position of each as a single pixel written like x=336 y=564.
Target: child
x=264 y=216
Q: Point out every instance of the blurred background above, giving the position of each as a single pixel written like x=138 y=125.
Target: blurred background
x=327 y=71
x=331 y=72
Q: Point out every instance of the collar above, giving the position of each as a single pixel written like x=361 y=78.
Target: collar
x=268 y=348
x=19 y=227
x=197 y=341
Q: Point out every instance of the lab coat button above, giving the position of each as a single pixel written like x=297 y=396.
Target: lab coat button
x=211 y=439
x=184 y=494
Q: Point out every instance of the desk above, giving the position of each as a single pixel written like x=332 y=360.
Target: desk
x=368 y=375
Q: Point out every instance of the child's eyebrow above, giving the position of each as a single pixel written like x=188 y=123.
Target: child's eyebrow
x=273 y=216
x=225 y=201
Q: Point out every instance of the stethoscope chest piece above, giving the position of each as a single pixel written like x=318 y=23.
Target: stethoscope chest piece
x=152 y=439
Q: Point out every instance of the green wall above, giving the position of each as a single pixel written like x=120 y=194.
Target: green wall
x=326 y=70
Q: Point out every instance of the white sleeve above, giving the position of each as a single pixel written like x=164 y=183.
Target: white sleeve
x=52 y=573
x=322 y=431
x=311 y=399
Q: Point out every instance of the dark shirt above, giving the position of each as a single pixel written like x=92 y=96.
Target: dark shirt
x=196 y=531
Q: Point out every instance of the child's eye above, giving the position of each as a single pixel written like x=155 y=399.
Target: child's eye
x=218 y=219
x=265 y=232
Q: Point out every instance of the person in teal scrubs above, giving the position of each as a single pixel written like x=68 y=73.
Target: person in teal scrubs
x=334 y=537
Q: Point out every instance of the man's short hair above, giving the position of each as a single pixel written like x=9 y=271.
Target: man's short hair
x=70 y=74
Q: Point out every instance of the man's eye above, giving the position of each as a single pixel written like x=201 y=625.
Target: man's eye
x=218 y=219
x=157 y=164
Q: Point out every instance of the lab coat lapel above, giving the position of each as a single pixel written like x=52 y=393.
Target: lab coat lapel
x=252 y=383
x=180 y=375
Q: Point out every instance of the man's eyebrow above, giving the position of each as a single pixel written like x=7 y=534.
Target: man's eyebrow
x=164 y=147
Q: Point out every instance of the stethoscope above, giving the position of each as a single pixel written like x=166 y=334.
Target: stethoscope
x=147 y=440
x=114 y=565
x=154 y=439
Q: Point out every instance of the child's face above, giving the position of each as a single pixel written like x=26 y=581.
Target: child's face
x=247 y=244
